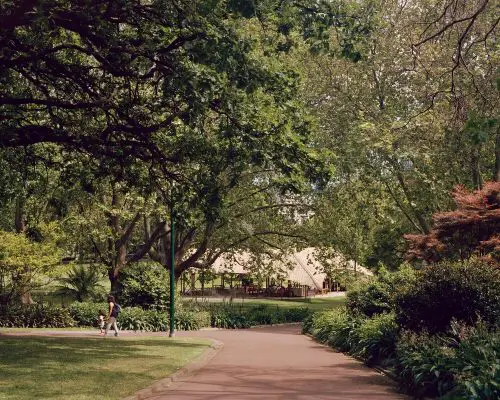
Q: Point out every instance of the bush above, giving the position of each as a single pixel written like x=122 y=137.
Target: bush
x=448 y=290
x=144 y=285
x=137 y=319
x=376 y=295
x=334 y=327
x=424 y=364
x=35 y=316
x=463 y=364
x=227 y=317
x=376 y=339
x=477 y=365
x=295 y=314
x=191 y=321
x=85 y=314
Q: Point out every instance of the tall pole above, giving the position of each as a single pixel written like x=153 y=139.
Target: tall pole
x=172 y=272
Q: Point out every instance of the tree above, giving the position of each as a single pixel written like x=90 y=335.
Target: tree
x=397 y=134
x=472 y=229
x=24 y=264
x=182 y=93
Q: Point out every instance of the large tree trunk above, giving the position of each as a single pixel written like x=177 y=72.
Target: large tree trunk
x=113 y=279
x=477 y=179
x=20 y=217
x=24 y=278
x=496 y=171
x=114 y=271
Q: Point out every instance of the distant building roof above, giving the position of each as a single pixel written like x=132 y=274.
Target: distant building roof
x=305 y=266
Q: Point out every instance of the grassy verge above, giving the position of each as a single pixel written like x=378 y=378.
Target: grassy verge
x=88 y=368
x=314 y=304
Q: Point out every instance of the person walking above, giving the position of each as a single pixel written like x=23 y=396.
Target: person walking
x=114 y=310
x=101 y=322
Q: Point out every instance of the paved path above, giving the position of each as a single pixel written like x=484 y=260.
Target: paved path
x=277 y=363
x=268 y=363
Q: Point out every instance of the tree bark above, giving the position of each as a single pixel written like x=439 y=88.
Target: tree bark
x=20 y=218
x=24 y=278
x=496 y=171
x=477 y=179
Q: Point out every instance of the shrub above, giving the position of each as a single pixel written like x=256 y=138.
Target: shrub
x=144 y=285
x=334 y=327
x=376 y=339
x=35 y=316
x=463 y=364
x=266 y=315
x=85 y=314
x=376 y=295
x=81 y=283
x=424 y=364
x=227 y=317
x=477 y=365
x=295 y=314
x=191 y=321
x=448 y=290
x=137 y=319
x=158 y=321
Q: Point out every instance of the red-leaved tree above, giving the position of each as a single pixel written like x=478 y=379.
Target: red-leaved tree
x=473 y=229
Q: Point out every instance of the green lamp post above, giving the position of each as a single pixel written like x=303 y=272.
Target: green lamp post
x=172 y=273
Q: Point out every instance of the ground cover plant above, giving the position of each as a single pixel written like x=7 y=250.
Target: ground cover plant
x=88 y=368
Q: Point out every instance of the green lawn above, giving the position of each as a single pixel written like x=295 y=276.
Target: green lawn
x=88 y=368
x=315 y=304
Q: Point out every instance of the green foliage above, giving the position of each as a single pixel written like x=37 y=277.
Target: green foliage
x=376 y=339
x=137 y=319
x=145 y=285
x=24 y=263
x=295 y=314
x=372 y=339
x=477 y=369
x=229 y=319
x=376 y=295
x=464 y=363
x=441 y=292
x=192 y=321
x=424 y=364
x=85 y=314
x=81 y=284
x=333 y=327
x=35 y=316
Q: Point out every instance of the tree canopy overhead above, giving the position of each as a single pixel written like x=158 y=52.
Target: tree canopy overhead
x=235 y=113
x=169 y=83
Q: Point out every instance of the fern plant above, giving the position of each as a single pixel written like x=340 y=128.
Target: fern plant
x=81 y=284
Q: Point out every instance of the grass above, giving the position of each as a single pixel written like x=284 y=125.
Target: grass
x=314 y=304
x=60 y=368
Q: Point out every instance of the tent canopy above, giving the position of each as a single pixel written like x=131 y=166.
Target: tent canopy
x=301 y=267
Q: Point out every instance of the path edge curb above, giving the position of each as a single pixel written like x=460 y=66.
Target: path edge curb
x=377 y=368
x=184 y=372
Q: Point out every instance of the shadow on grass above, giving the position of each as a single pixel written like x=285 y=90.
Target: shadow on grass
x=55 y=367
x=73 y=350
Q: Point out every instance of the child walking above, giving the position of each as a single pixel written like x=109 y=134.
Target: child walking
x=101 y=322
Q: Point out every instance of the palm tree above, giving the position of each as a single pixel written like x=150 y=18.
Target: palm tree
x=81 y=283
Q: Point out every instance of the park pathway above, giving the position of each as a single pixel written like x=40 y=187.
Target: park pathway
x=272 y=363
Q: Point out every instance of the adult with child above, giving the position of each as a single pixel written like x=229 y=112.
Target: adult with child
x=114 y=310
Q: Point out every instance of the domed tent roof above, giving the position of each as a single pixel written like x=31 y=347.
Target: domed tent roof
x=305 y=266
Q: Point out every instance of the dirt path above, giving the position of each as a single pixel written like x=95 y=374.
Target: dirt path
x=277 y=363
